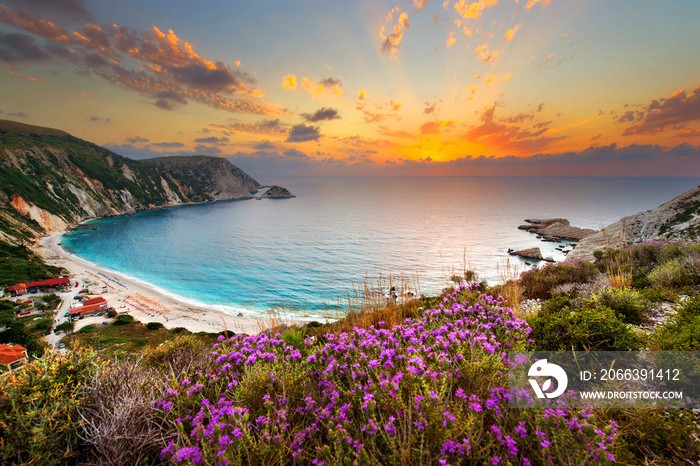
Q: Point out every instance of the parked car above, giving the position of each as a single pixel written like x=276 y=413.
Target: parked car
x=104 y=322
x=62 y=345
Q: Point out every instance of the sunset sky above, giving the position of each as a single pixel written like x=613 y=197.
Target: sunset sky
x=454 y=87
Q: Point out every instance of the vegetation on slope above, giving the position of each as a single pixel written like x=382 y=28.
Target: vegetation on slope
x=21 y=265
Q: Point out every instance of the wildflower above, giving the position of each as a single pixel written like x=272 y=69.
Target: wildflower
x=188 y=453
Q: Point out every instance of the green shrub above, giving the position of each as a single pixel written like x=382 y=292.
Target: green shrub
x=658 y=295
x=123 y=319
x=38 y=409
x=66 y=327
x=87 y=329
x=629 y=304
x=154 y=326
x=43 y=323
x=682 y=331
x=111 y=313
x=677 y=272
x=178 y=330
x=537 y=283
x=582 y=330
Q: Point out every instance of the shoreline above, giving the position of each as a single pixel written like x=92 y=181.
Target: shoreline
x=143 y=301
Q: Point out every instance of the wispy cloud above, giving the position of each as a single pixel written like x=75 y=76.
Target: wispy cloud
x=20 y=48
x=395 y=133
x=678 y=109
x=510 y=33
x=392 y=42
x=69 y=9
x=267 y=127
x=168 y=145
x=511 y=137
x=532 y=3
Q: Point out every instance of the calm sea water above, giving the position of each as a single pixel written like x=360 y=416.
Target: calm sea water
x=307 y=252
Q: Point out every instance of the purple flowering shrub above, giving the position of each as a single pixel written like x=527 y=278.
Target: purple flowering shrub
x=431 y=390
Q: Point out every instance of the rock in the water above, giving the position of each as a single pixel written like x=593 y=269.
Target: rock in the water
x=556 y=229
x=532 y=253
x=277 y=192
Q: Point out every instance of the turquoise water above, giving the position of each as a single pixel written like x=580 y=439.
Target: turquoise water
x=307 y=252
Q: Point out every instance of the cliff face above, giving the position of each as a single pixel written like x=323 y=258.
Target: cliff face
x=678 y=218
x=50 y=179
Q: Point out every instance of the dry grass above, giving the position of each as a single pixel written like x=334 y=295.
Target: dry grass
x=120 y=416
x=372 y=303
x=508 y=278
x=619 y=279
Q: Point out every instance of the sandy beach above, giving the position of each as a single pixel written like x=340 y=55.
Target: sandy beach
x=145 y=303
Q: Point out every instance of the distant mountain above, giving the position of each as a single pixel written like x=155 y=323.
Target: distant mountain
x=678 y=218
x=50 y=180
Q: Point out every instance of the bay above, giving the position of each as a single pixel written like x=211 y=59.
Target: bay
x=307 y=253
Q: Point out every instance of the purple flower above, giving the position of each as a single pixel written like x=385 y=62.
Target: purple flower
x=188 y=453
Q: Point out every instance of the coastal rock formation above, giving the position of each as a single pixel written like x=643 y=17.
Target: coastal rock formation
x=531 y=253
x=277 y=192
x=678 y=218
x=50 y=180
x=556 y=229
x=207 y=178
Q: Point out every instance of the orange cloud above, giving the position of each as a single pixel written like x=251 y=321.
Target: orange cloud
x=361 y=94
x=419 y=4
x=169 y=69
x=473 y=10
x=289 y=82
x=451 y=40
x=514 y=138
x=488 y=79
x=327 y=86
x=510 y=33
x=35 y=25
x=30 y=79
x=395 y=134
x=532 y=3
x=675 y=110
x=392 y=42
x=486 y=54
x=433 y=127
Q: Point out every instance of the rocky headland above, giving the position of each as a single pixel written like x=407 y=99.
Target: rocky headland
x=556 y=229
x=678 y=218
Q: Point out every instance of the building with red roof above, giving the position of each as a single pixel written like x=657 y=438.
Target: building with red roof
x=21 y=288
x=12 y=356
x=90 y=306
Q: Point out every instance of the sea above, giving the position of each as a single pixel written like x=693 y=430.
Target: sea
x=312 y=256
